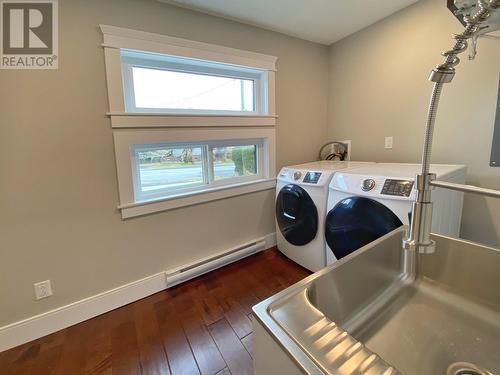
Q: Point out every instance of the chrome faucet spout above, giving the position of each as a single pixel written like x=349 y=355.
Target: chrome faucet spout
x=419 y=237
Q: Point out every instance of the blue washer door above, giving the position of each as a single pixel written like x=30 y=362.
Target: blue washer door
x=355 y=222
x=297 y=215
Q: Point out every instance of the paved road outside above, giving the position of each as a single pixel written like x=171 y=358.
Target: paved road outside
x=171 y=176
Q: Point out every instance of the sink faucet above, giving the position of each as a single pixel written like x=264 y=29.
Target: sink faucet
x=418 y=239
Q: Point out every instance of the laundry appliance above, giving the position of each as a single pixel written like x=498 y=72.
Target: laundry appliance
x=301 y=197
x=368 y=202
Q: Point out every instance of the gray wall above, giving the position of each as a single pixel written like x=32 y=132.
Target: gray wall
x=58 y=188
x=378 y=88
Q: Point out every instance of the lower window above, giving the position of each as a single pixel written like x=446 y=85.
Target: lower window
x=164 y=169
x=171 y=169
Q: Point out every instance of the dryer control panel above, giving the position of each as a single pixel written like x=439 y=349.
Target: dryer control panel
x=400 y=188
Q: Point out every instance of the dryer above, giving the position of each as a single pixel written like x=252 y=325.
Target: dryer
x=301 y=197
x=368 y=202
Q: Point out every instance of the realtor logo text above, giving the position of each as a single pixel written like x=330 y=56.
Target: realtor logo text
x=29 y=34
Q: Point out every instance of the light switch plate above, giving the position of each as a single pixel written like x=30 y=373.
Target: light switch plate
x=388 y=142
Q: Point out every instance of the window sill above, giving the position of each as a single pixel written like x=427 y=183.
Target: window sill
x=192 y=198
x=164 y=120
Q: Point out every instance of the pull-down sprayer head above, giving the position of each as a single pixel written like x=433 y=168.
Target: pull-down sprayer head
x=474 y=24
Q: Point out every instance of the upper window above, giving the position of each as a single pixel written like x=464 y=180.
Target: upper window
x=170 y=84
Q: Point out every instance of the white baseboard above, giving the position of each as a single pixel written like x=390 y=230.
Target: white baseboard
x=62 y=317
x=270 y=240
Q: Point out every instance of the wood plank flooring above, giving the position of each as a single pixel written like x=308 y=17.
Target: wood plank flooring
x=202 y=327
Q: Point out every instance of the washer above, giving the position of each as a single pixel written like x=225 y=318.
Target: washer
x=301 y=197
x=368 y=202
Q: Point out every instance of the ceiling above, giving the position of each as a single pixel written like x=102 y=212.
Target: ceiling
x=321 y=21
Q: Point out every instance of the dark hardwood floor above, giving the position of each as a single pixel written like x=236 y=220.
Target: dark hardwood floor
x=200 y=327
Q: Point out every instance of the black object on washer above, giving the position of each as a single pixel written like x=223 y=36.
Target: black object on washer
x=355 y=222
x=296 y=215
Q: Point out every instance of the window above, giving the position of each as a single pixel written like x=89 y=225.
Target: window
x=232 y=162
x=164 y=170
x=158 y=170
x=169 y=84
x=192 y=122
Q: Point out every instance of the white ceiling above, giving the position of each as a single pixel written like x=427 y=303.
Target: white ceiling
x=322 y=21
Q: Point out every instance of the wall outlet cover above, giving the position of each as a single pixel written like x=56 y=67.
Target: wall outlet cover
x=349 y=149
x=43 y=289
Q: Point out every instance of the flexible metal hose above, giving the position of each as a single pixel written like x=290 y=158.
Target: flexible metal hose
x=419 y=237
x=429 y=129
x=486 y=7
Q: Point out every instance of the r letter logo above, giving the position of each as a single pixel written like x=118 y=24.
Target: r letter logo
x=29 y=34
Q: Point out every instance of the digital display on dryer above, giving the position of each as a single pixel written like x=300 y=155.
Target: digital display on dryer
x=312 y=177
x=401 y=188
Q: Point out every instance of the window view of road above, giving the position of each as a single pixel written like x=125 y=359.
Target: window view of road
x=181 y=168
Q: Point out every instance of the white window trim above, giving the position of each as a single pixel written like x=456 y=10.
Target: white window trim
x=117 y=39
x=131 y=128
x=161 y=120
x=124 y=139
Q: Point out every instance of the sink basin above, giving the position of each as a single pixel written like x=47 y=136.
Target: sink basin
x=367 y=314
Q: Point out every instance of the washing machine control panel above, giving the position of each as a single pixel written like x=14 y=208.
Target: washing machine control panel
x=305 y=177
x=312 y=177
x=400 y=188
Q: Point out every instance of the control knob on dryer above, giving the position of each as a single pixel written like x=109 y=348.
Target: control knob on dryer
x=368 y=184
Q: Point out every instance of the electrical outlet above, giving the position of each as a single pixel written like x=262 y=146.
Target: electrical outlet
x=388 y=142
x=349 y=149
x=43 y=289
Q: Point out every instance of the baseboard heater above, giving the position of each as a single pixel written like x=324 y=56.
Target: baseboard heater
x=200 y=267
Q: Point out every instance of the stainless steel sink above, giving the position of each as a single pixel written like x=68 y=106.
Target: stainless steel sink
x=367 y=315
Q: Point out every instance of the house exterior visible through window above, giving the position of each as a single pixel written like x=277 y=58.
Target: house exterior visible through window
x=192 y=122
x=171 y=169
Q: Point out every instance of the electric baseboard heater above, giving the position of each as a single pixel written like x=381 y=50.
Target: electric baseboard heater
x=180 y=274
